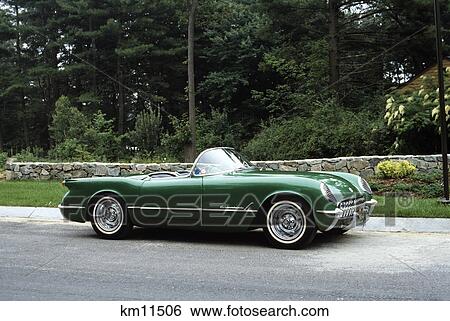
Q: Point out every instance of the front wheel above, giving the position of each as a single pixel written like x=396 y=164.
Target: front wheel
x=109 y=218
x=290 y=225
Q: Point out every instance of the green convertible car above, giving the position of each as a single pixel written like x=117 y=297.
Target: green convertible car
x=224 y=192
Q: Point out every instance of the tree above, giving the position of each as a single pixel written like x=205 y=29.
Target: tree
x=146 y=131
x=191 y=78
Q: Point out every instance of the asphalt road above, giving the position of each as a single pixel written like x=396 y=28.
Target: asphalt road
x=66 y=261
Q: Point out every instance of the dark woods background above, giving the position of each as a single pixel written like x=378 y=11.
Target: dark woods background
x=107 y=80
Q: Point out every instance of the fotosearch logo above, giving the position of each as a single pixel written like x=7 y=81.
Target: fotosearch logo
x=225 y=210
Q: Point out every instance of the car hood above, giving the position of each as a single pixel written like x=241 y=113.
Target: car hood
x=342 y=187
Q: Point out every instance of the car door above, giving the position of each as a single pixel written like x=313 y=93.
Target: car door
x=227 y=202
x=169 y=202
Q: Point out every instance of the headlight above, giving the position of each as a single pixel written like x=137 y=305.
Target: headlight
x=364 y=185
x=327 y=193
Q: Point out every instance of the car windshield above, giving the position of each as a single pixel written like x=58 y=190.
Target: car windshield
x=219 y=160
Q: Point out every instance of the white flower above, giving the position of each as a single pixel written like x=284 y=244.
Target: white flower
x=435 y=112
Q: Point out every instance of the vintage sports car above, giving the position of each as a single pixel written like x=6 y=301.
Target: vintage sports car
x=223 y=192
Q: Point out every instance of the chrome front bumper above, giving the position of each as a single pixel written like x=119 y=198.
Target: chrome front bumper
x=355 y=215
x=367 y=206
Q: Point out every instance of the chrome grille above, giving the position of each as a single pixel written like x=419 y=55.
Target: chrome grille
x=349 y=206
x=349 y=203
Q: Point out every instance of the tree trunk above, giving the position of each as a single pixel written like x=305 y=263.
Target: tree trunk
x=93 y=57
x=333 y=6
x=120 y=98
x=191 y=81
x=21 y=91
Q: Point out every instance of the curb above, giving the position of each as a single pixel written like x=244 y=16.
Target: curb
x=375 y=224
x=49 y=213
x=403 y=224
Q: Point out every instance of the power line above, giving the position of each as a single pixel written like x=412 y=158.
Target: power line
x=363 y=65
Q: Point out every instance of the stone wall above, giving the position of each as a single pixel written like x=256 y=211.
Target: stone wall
x=363 y=165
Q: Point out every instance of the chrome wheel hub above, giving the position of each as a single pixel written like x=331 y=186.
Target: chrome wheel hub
x=286 y=221
x=108 y=215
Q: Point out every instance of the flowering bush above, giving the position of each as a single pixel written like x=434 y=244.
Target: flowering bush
x=395 y=169
x=414 y=116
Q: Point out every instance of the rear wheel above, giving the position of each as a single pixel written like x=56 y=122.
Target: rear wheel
x=290 y=225
x=109 y=218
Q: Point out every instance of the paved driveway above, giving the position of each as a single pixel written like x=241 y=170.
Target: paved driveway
x=66 y=261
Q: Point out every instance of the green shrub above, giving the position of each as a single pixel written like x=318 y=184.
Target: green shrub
x=329 y=132
x=395 y=169
x=70 y=150
x=146 y=130
x=100 y=139
x=30 y=154
x=3 y=157
x=68 y=122
x=90 y=138
x=153 y=158
x=425 y=185
x=214 y=129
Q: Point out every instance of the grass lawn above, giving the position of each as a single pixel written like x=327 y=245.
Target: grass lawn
x=31 y=193
x=411 y=207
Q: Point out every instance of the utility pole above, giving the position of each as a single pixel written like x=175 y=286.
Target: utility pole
x=442 y=114
x=192 y=5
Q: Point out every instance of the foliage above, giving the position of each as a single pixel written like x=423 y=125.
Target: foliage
x=174 y=142
x=153 y=158
x=30 y=154
x=414 y=116
x=70 y=150
x=216 y=129
x=146 y=130
x=3 y=158
x=212 y=130
x=77 y=137
x=100 y=139
x=395 y=169
x=423 y=185
x=67 y=121
x=257 y=62
x=330 y=131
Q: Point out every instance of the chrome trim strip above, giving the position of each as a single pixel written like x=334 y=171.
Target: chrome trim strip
x=229 y=209
x=223 y=207
x=165 y=208
x=192 y=209
x=336 y=211
x=69 y=206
